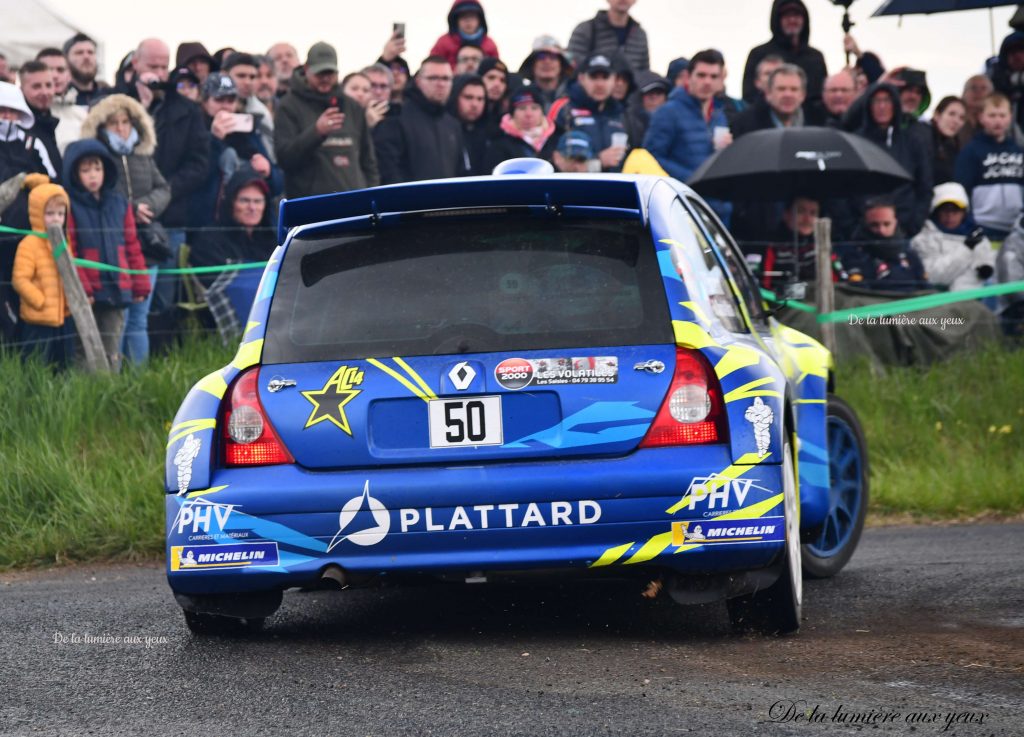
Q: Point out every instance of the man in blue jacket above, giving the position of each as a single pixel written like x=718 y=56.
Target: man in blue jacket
x=683 y=134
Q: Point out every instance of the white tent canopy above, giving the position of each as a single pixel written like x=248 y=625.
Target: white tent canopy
x=28 y=27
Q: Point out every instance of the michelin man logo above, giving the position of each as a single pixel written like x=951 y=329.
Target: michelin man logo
x=183 y=460
x=760 y=415
x=366 y=536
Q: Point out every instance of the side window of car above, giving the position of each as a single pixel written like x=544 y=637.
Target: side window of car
x=750 y=293
x=701 y=271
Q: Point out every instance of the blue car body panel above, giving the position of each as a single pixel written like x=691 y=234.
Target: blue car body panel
x=566 y=488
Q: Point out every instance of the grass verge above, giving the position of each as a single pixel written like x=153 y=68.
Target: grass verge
x=81 y=456
x=946 y=441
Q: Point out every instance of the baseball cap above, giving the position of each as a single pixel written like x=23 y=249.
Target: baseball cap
x=218 y=86
x=949 y=193
x=525 y=95
x=596 y=63
x=651 y=82
x=576 y=145
x=321 y=58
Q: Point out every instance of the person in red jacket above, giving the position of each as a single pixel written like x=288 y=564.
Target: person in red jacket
x=467 y=24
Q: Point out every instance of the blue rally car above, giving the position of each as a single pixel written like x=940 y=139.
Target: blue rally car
x=479 y=378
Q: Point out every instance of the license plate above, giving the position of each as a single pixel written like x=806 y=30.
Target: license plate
x=456 y=423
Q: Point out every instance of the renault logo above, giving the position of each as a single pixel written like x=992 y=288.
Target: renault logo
x=462 y=375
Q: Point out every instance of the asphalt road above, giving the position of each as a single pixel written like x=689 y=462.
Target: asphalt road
x=925 y=622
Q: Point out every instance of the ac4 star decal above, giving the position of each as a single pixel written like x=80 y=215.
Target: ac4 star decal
x=329 y=402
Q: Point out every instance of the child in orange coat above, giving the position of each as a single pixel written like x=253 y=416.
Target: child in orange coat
x=45 y=327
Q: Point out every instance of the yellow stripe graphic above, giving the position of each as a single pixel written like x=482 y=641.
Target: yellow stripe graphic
x=735 y=359
x=651 y=549
x=611 y=555
x=691 y=335
x=415 y=377
x=399 y=378
x=750 y=390
x=248 y=354
x=189 y=427
x=204 y=492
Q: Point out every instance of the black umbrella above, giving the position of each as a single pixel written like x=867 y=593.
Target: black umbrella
x=781 y=163
x=924 y=7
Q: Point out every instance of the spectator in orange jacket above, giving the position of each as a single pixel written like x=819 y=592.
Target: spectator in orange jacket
x=45 y=327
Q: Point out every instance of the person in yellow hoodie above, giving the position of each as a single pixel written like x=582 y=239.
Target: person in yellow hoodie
x=46 y=327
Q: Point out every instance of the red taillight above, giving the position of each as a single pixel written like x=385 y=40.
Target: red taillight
x=693 y=412
x=248 y=437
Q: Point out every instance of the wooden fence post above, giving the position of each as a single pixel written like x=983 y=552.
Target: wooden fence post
x=78 y=303
x=824 y=292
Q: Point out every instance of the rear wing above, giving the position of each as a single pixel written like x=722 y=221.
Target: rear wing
x=590 y=192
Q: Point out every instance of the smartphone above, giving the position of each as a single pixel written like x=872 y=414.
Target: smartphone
x=398 y=29
x=241 y=123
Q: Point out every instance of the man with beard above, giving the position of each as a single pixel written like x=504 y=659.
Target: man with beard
x=322 y=141
x=467 y=104
x=266 y=82
x=37 y=86
x=881 y=257
x=80 y=52
x=791 y=29
x=425 y=140
x=286 y=59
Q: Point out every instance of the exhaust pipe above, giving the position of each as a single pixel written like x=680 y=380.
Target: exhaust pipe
x=333 y=577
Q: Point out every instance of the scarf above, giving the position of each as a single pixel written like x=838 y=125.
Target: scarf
x=11 y=131
x=119 y=145
x=535 y=138
x=470 y=37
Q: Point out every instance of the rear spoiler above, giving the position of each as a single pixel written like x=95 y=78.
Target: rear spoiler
x=587 y=191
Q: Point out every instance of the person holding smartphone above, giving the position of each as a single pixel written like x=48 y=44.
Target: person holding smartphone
x=322 y=140
x=234 y=141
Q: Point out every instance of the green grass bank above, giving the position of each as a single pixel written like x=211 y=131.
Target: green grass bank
x=81 y=456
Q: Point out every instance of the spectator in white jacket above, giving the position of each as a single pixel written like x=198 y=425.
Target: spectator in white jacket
x=955 y=252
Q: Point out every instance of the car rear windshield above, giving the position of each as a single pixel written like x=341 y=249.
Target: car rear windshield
x=451 y=286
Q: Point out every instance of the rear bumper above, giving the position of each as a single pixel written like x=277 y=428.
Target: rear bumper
x=276 y=527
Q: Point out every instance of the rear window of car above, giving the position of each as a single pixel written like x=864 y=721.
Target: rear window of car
x=450 y=286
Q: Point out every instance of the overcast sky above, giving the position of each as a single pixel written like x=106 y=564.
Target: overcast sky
x=950 y=46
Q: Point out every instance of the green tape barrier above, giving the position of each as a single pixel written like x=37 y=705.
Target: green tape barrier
x=911 y=304
x=900 y=306
x=85 y=263
x=19 y=231
x=926 y=302
x=108 y=267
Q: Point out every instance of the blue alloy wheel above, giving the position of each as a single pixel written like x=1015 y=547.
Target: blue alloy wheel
x=834 y=542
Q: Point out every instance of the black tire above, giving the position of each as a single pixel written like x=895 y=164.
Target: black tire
x=825 y=556
x=216 y=625
x=776 y=610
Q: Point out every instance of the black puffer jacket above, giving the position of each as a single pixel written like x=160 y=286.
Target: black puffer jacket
x=424 y=142
x=804 y=56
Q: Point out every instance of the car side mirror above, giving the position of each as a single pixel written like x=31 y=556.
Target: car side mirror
x=792 y=292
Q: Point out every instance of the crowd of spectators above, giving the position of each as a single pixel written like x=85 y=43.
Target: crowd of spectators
x=195 y=148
